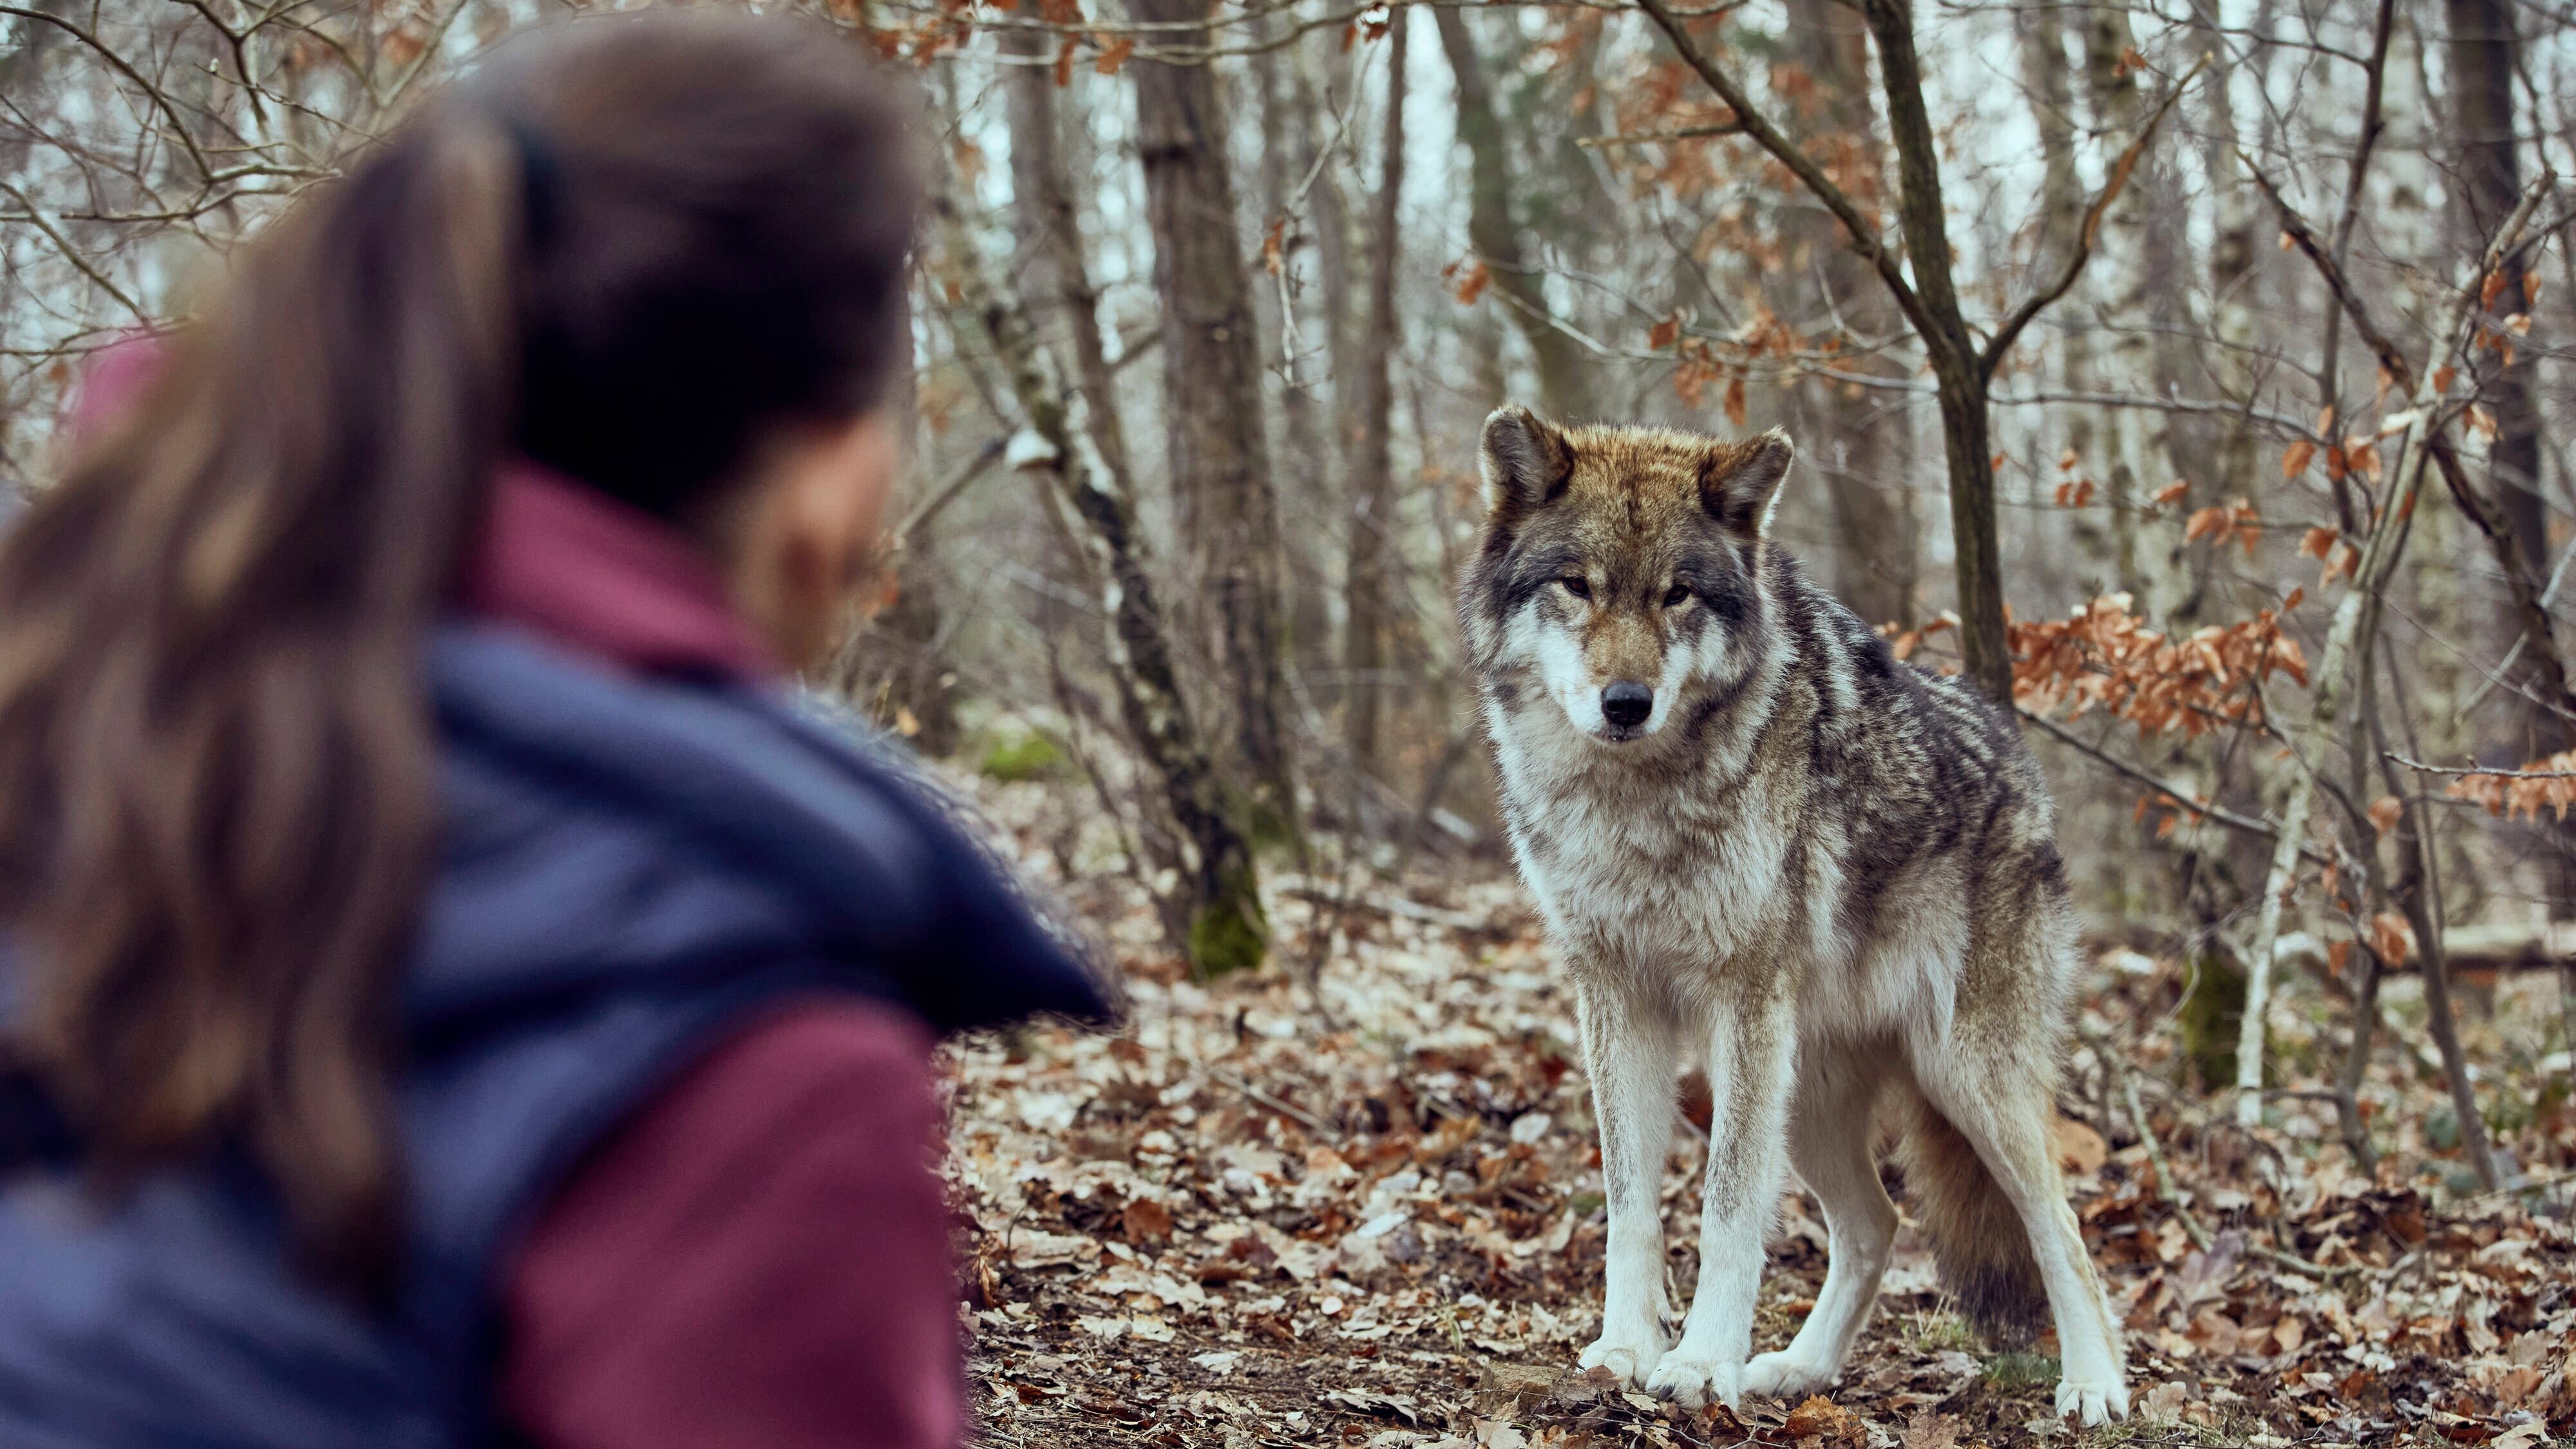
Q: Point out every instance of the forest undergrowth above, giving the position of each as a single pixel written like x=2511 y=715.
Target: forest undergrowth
x=1354 y=1200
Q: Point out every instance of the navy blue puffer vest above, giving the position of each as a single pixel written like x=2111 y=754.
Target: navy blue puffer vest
x=628 y=866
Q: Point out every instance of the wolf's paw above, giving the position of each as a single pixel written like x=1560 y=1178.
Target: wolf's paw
x=1630 y=1359
x=2092 y=1401
x=1695 y=1382
x=1783 y=1375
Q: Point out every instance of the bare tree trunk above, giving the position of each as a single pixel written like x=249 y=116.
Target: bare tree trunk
x=1861 y=444
x=1564 y=376
x=1370 y=571
x=2414 y=889
x=1049 y=233
x=2484 y=58
x=1217 y=447
x=2232 y=283
x=2418 y=891
x=1226 y=930
x=2134 y=441
x=1332 y=225
x=1286 y=138
x=1960 y=371
x=2046 y=80
x=2356 y=622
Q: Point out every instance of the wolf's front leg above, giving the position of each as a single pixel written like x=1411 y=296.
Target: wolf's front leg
x=1629 y=1056
x=1752 y=1062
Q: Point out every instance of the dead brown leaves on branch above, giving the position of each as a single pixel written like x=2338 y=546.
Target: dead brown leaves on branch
x=2548 y=784
x=1702 y=362
x=2103 y=657
x=955 y=22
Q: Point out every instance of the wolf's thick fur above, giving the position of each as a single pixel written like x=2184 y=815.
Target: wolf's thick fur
x=1830 y=876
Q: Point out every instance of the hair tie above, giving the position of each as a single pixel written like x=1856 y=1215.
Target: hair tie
x=540 y=180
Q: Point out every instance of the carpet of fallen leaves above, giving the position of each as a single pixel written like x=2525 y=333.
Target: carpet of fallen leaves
x=1354 y=1200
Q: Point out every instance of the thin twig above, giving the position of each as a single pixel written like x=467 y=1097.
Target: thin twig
x=1288 y=1109
x=2165 y=1192
x=72 y=254
x=2116 y=181
x=1645 y=138
x=1864 y=237
x=2220 y=814
x=2483 y=772
x=956 y=483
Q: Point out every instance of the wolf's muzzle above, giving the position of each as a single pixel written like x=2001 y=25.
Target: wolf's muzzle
x=1626 y=704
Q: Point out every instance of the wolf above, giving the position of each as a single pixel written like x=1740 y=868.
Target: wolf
x=1763 y=845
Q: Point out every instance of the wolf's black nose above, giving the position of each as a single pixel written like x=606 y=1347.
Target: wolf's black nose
x=1627 y=705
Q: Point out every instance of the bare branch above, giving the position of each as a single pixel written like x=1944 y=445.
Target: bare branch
x=73 y=254
x=2217 y=813
x=950 y=488
x=160 y=102
x=2483 y=772
x=1643 y=138
x=2113 y=184
x=1864 y=237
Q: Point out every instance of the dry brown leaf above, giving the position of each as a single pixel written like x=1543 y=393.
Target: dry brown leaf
x=2392 y=938
x=1146 y=1221
x=2384 y=812
x=2080 y=1150
x=1822 y=1418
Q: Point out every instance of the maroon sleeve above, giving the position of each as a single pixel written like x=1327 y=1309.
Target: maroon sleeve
x=758 y=1259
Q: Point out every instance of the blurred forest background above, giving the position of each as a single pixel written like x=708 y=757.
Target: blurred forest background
x=2192 y=370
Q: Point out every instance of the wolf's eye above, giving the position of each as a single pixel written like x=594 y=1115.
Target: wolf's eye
x=1673 y=599
x=1578 y=587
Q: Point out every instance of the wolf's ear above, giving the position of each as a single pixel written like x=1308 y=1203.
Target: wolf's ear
x=1738 y=482
x=1526 y=460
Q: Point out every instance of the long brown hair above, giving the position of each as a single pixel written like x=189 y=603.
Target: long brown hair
x=628 y=248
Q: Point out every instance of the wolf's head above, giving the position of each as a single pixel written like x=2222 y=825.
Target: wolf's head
x=1620 y=569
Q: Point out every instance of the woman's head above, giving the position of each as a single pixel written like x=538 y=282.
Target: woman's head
x=662 y=253
x=716 y=217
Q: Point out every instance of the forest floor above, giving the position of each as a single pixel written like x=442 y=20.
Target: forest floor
x=1353 y=1200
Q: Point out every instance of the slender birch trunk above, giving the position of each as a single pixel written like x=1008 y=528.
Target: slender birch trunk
x=1216 y=441
x=2134 y=441
x=2040 y=35
x=1370 y=571
x=2484 y=54
x=1048 y=229
x=1861 y=444
x=1304 y=472
x=1494 y=230
x=2232 y=280
x=1227 y=930
x=2356 y=621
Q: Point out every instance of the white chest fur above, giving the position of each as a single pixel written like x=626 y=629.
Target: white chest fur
x=1638 y=861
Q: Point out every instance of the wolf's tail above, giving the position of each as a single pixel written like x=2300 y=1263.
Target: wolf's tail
x=1978 y=1242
